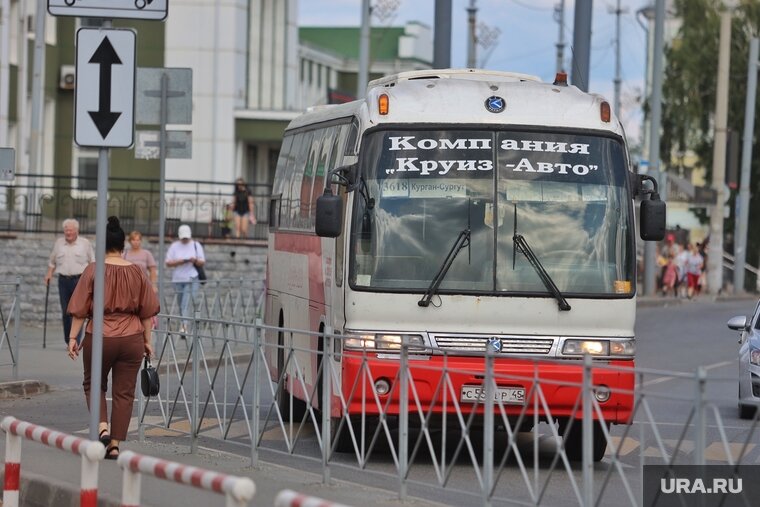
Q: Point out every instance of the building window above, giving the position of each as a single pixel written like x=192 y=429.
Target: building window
x=87 y=172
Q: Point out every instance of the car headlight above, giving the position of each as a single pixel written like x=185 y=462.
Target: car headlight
x=754 y=356
x=382 y=341
x=577 y=347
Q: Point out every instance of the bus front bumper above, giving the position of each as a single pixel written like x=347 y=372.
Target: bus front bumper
x=447 y=385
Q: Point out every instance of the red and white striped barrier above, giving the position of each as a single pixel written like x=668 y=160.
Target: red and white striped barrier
x=289 y=498
x=237 y=490
x=91 y=453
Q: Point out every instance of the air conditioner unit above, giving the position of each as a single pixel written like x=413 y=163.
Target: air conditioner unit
x=68 y=77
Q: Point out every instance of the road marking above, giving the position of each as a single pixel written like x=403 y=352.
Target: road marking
x=717 y=451
x=661 y=380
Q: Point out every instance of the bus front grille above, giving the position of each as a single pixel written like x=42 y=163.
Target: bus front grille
x=509 y=345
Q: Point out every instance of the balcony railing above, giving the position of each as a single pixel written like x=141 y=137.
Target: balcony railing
x=34 y=203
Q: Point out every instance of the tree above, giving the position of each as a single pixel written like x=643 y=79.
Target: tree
x=689 y=87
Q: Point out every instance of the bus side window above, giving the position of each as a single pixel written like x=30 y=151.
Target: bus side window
x=292 y=202
x=285 y=164
x=322 y=167
x=353 y=135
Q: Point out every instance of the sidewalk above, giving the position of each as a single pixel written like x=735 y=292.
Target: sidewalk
x=659 y=300
x=52 y=477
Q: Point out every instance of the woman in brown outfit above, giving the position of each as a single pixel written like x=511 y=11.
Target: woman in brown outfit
x=129 y=305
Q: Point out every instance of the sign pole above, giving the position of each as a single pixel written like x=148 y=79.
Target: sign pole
x=162 y=192
x=96 y=364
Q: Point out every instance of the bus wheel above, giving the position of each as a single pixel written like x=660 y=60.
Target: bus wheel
x=283 y=396
x=573 y=438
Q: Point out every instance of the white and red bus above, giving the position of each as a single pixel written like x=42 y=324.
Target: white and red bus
x=463 y=209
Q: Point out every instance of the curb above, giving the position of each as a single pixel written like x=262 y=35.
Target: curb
x=37 y=490
x=22 y=389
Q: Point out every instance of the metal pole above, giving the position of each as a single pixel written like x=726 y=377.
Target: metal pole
x=162 y=195
x=587 y=426
x=5 y=69
x=38 y=100
x=99 y=294
x=581 y=44
x=488 y=429
x=327 y=358
x=403 y=417
x=715 y=256
x=472 y=36
x=256 y=402
x=650 y=248
x=195 y=425
x=742 y=201
x=363 y=76
x=21 y=86
x=442 y=35
x=17 y=325
x=560 y=12
x=618 y=11
x=699 y=417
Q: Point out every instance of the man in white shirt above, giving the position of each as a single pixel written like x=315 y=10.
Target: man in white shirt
x=184 y=255
x=70 y=255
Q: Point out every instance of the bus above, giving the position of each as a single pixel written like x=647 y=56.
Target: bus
x=458 y=210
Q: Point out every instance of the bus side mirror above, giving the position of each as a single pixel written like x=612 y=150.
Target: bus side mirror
x=329 y=214
x=652 y=219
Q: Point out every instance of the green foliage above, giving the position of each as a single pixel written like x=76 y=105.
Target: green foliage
x=689 y=90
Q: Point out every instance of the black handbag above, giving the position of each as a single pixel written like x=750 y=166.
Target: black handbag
x=199 y=269
x=149 y=382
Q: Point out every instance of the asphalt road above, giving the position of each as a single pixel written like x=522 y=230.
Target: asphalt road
x=677 y=338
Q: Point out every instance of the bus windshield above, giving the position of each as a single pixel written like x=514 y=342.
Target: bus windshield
x=565 y=193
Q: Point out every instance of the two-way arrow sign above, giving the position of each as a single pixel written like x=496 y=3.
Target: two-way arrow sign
x=105 y=88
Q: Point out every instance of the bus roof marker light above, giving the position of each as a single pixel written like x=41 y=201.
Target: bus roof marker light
x=560 y=79
x=383 y=103
x=604 y=111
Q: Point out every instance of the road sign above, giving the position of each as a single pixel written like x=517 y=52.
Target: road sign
x=7 y=163
x=105 y=88
x=179 y=144
x=134 y=9
x=179 y=96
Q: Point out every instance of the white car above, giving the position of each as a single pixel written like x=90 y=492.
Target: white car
x=749 y=362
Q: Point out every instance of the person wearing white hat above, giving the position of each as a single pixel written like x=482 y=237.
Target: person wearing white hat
x=184 y=255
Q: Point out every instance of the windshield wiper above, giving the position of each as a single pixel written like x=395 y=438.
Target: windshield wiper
x=520 y=243
x=463 y=240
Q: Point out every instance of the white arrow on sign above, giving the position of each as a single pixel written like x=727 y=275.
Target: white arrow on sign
x=105 y=88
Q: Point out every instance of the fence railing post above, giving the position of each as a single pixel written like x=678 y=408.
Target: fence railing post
x=256 y=394
x=587 y=427
x=16 y=326
x=131 y=486
x=195 y=424
x=488 y=429
x=325 y=402
x=699 y=417
x=403 y=417
x=12 y=470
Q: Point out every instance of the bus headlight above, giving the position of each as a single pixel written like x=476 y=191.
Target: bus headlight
x=575 y=347
x=382 y=341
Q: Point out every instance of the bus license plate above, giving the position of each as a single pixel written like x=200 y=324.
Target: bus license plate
x=510 y=395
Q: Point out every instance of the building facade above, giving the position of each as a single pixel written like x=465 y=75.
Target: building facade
x=253 y=70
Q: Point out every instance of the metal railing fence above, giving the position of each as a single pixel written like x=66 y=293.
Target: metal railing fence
x=233 y=382
x=10 y=324
x=237 y=300
x=34 y=203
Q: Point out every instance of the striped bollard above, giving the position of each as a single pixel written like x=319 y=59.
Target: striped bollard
x=289 y=498
x=237 y=490
x=91 y=453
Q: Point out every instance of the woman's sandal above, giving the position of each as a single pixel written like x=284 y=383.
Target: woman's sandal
x=104 y=437
x=112 y=452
